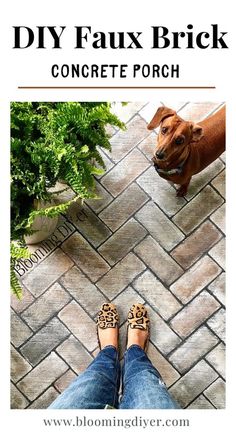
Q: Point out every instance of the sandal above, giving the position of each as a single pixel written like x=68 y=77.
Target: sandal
x=138 y=318
x=107 y=318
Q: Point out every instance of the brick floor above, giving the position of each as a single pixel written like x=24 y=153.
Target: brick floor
x=136 y=243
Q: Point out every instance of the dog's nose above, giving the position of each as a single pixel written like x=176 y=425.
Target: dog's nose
x=159 y=155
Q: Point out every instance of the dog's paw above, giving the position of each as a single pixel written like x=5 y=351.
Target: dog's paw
x=181 y=191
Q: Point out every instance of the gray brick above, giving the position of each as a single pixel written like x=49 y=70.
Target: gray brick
x=19 y=366
x=65 y=380
x=126 y=112
x=46 y=306
x=193 y=383
x=85 y=256
x=158 y=260
x=41 y=278
x=123 y=206
x=159 y=226
x=117 y=179
x=19 y=330
x=166 y=370
x=198 y=209
x=157 y=295
x=218 y=217
x=44 y=341
x=75 y=355
x=195 y=279
x=102 y=200
x=18 y=401
x=123 y=240
x=216 y=393
x=81 y=325
x=21 y=304
x=203 y=178
x=83 y=290
x=218 y=253
x=87 y=223
x=123 y=141
x=219 y=183
x=217 y=324
x=120 y=275
x=217 y=359
x=195 y=347
x=161 y=192
x=161 y=334
x=41 y=377
x=45 y=400
x=201 y=403
x=217 y=287
x=194 y=314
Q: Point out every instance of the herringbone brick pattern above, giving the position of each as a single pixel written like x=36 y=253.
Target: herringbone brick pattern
x=137 y=243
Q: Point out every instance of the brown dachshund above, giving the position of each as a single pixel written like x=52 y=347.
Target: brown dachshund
x=185 y=148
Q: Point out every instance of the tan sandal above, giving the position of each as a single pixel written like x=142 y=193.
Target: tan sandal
x=138 y=318
x=107 y=318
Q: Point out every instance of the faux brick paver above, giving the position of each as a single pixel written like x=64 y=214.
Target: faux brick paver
x=217 y=288
x=194 y=314
x=123 y=240
x=17 y=398
x=166 y=370
x=218 y=253
x=161 y=192
x=64 y=381
x=198 y=209
x=195 y=279
x=21 y=304
x=123 y=207
x=161 y=335
x=159 y=226
x=82 y=290
x=158 y=260
x=198 y=243
x=159 y=250
x=41 y=377
x=125 y=300
x=80 y=324
x=19 y=366
x=157 y=295
x=218 y=217
x=102 y=200
x=45 y=400
x=46 y=306
x=200 y=403
x=217 y=324
x=121 y=275
x=202 y=179
x=19 y=330
x=40 y=279
x=219 y=183
x=74 y=353
x=117 y=179
x=193 y=383
x=85 y=256
x=196 y=346
x=217 y=359
x=123 y=141
x=87 y=223
x=40 y=345
x=216 y=393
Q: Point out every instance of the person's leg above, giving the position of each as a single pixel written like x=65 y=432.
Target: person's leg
x=96 y=387
x=142 y=384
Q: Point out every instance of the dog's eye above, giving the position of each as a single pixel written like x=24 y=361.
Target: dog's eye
x=179 y=140
x=164 y=130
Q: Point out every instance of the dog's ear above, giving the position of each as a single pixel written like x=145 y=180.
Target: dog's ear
x=161 y=113
x=197 y=132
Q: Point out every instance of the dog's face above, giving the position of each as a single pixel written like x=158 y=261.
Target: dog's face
x=174 y=136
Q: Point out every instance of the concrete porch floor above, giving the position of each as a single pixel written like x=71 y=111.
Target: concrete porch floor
x=138 y=243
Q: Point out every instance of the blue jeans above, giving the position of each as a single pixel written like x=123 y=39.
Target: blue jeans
x=98 y=386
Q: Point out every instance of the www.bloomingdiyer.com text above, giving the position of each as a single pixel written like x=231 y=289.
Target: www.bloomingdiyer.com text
x=85 y=37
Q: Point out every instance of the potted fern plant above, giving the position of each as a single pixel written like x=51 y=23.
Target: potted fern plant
x=49 y=142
